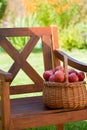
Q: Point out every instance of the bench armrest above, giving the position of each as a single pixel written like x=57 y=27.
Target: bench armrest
x=7 y=76
x=71 y=61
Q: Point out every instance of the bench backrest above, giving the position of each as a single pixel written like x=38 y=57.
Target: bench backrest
x=49 y=38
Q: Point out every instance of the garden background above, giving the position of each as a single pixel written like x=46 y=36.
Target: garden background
x=70 y=16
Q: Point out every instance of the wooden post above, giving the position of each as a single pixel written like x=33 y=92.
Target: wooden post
x=5 y=103
x=1 y=104
x=55 y=45
x=0 y=124
x=60 y=127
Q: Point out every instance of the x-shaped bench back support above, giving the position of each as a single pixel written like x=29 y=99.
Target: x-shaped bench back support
x=20 y=58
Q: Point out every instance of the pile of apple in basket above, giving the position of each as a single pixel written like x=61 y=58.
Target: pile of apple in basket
x=58 y=75
x=64 y=88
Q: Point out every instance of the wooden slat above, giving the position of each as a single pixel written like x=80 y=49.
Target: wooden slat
x=25 y=89
x=55 y=45
x=47 y=55
x=54 y=31
x=24 y=54
x=10 y=32
x=48 y=119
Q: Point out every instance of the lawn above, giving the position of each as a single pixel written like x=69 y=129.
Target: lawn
x=36 y=60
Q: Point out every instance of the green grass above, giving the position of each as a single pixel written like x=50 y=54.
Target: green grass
x=82 y=125
x=36 y=60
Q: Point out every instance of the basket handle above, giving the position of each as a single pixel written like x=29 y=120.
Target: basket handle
x=65 y=64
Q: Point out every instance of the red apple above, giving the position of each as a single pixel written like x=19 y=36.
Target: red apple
x=52 y=78
x=72 y=71
x=59 y=68
x=81 y=76
x=59 y=76
x=73 y=77
x=47 y=74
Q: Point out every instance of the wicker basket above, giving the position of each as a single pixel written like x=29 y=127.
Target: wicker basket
x=66 y=94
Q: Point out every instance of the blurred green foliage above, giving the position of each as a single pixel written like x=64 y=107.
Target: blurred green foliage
x=74 y=37
x=61 y=14
x=70 y=18
x=3 y=5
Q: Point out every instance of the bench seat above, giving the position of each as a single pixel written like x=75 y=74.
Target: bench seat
x=30 y=112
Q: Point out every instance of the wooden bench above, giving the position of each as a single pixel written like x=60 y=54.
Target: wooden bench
x=30 y=112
